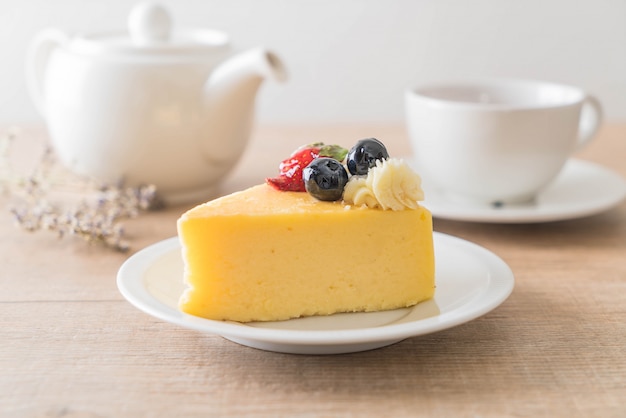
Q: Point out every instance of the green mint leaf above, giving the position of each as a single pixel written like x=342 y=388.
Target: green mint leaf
x=334 y=151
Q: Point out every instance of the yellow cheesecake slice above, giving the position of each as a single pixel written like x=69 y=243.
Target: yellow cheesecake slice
x=267 y=255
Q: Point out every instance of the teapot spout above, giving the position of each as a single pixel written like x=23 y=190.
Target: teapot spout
x=230 y=94
x=252 y=66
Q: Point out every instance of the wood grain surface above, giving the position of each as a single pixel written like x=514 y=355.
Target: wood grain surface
x=71 y=346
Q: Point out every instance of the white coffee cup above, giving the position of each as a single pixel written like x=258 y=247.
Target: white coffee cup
x=497 y=141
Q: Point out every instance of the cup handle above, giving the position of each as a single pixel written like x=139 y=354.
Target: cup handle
x=590 y=120
x=36 y=62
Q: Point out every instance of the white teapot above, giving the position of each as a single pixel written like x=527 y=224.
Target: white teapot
x=151 y=105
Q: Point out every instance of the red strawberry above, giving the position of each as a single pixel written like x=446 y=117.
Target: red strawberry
x=290 y=169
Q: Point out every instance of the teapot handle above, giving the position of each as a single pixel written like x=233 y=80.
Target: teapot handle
x=36 y=62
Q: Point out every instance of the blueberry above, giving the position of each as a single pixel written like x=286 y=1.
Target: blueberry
x=325 y=178
x=364 y=154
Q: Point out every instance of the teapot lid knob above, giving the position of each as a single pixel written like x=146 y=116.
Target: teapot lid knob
x=149 y=23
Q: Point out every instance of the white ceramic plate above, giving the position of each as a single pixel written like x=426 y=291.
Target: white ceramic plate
x=581 y=189
x=471 y=281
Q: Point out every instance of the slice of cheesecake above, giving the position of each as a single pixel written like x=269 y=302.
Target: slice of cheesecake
x=267 y=255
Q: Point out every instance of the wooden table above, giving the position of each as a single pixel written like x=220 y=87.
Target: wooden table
x=73 y=347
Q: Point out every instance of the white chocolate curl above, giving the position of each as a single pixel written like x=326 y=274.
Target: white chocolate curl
x=391 y=184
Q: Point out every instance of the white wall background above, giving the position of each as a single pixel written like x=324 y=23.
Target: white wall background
x=350 y=60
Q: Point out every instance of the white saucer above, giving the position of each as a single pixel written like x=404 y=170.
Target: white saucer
x=581 y=189
x=471 y=281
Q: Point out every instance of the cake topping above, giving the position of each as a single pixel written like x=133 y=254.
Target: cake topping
x=364 y=155
x=325 y=179
x=290 y=169
x=390 y=184
x=374 y=180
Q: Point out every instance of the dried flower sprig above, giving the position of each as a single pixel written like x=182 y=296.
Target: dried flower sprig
x=6 y=141
x=95 y=220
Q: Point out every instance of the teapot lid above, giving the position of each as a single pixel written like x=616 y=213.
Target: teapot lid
x=150 y=32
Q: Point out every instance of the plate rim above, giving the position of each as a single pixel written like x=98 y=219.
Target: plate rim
x=521 y=215
x=130 y=284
